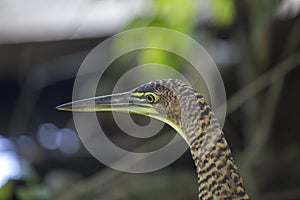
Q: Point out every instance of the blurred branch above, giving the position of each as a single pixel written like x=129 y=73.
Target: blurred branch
x=268 y=114
x=260 y=134
x=81 y=189
x=263 y=81
x=293 y=40
x=256 y=144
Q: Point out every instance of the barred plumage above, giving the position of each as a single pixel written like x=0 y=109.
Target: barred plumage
x=218 y=176
x=187 y=111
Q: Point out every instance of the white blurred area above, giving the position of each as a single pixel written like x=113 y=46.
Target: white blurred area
x=43 y=20
x=288 y=9
x=9 y=161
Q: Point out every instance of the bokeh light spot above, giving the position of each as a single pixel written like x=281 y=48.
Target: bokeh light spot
x=47 y=134
x=67 y=141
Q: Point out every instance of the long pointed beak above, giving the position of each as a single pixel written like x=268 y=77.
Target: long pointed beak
x=121 y=102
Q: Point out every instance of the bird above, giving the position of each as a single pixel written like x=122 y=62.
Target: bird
x=184 y=109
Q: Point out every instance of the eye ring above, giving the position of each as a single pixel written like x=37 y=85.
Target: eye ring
x=150 y=98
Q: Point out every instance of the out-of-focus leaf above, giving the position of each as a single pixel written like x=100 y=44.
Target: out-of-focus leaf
x=176 y=15
x=222 y=12
x=6 y=191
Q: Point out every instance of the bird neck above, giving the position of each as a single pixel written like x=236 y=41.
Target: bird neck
x=218 y=176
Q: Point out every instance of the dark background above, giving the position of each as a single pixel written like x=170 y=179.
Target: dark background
x=255 y=44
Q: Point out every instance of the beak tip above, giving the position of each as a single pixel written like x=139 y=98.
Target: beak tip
x=58 y=107
x=64 y=107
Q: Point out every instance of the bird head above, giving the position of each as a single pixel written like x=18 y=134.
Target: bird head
x=156 y=99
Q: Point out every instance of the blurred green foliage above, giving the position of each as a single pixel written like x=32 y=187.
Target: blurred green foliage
x=173 y=14
x=222 y=12
x=6 y=191
x=176 y=15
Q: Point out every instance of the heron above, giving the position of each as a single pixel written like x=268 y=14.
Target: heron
x=184 y=109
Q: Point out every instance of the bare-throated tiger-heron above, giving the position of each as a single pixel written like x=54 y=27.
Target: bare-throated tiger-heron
x=179 y=105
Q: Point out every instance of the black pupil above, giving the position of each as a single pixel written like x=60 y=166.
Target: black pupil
x=150 y=98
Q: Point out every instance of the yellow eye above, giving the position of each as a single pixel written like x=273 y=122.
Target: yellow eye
x=150 y=98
